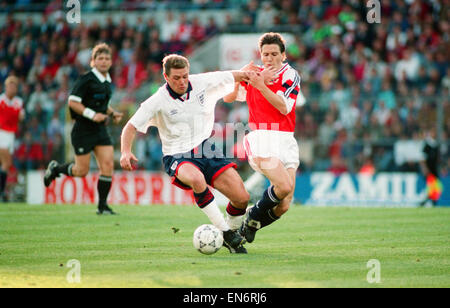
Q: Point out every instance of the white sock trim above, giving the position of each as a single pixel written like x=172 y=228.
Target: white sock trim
x=271 y=196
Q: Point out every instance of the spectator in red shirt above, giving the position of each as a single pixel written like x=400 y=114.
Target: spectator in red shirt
x=333 y=10
x=134 y=73
x=198 y=32
x=50 y=69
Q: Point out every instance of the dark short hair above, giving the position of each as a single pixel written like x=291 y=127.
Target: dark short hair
x=174 y=61
x=272 y=38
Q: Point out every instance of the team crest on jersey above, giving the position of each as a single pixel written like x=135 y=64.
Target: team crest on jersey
x=201 y=98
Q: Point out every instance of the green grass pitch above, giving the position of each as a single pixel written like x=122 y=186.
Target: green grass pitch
x=309 y=247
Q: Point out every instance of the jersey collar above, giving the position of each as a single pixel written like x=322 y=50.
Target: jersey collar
x=100 y=76
x=282 y=68
x=4 y=97
x=175 y=95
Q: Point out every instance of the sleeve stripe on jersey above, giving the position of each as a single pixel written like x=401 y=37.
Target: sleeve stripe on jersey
x=75 y=98
x=295 y=84
x=292 y=87
x=287 y=84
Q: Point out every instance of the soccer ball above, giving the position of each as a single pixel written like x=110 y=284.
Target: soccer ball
x=208 y=239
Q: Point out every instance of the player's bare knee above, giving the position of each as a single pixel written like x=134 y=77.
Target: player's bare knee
x=197 y=182
x=284 y=189
x=246 y=198
x=241 y=201
x=107 y=167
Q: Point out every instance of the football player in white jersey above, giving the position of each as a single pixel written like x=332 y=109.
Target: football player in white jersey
x=183 y=112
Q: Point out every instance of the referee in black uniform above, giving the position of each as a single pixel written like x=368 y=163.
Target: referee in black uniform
x=89 y=107
x=430 y=167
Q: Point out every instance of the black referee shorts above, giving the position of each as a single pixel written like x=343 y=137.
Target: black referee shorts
x=84 y=143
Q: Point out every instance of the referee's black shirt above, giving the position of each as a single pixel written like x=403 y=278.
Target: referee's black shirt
x=431 y=151
x=94 y=91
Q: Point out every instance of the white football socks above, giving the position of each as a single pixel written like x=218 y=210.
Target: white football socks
x=215 y=216
x=234 y=222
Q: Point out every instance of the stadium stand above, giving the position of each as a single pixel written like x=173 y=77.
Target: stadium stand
x=367 y=86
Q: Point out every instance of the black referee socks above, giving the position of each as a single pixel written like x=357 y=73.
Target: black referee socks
x=103 y=188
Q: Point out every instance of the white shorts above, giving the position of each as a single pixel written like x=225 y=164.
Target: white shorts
x=272 y=144
x=7 y=140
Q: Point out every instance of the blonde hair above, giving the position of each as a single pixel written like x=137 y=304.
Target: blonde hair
x=12 y=79
x=99 y=49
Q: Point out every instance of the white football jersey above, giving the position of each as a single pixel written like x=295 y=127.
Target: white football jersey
x=184 y=122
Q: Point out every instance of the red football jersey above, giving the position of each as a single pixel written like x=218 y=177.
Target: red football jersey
x=263 y=115
x=9 y=113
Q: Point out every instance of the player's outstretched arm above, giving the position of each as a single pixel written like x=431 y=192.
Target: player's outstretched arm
x=240 y=76
x=126 y=140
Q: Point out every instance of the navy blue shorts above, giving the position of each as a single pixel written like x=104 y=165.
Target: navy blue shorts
x=210 y=165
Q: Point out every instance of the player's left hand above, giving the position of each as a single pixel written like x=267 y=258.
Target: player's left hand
x=117 y=117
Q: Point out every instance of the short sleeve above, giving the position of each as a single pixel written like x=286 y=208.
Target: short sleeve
x=142 y=119
x=79 y=90
x=290 y=88
x=19 y=102
x=215 y=84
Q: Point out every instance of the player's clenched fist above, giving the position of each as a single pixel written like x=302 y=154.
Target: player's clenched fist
x=126 y=161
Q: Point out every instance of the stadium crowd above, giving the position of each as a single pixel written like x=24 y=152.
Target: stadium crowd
x=367 y=85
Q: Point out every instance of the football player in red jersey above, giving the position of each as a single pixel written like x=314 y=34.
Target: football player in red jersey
x=11 y=112
x=270 y=146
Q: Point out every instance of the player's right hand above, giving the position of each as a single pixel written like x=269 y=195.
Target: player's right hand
x=99 y=117
x=126 y=160
x=269 y=74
